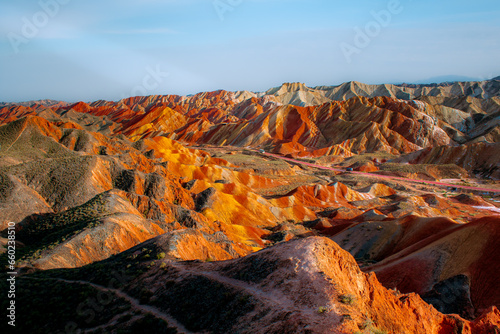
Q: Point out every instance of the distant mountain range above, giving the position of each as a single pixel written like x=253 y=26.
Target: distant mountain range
x=45 y=103
x=352 y=118
x=447 y=78
x=301 y=95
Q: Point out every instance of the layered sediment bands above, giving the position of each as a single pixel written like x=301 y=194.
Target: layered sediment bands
x=369 y=119
x=480 y=158
x=183 y=195
x=446 y=253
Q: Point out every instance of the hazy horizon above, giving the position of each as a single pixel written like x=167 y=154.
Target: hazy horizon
x=441 y=79
x=73 y=51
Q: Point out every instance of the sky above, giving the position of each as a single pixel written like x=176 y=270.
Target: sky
x=76 y=50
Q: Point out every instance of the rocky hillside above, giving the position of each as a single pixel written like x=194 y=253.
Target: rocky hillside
x=303 y=286
x=161 y=213
x=453 y=123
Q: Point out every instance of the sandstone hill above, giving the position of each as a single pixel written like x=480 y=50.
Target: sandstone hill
x=162 y=213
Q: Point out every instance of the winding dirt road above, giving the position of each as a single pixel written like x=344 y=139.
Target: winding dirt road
x=372 y=175
x=135 y=304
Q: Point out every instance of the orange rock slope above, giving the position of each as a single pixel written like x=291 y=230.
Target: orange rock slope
x=88 y=182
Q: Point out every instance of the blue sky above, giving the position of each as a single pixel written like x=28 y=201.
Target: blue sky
x=88 y=50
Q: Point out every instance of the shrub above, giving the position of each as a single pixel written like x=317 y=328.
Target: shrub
x=322 y=309
x=347 y=299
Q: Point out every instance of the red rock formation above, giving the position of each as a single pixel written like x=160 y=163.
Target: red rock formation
x=441 y=253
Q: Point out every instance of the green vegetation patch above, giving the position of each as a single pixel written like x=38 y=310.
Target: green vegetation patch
x=78 y=217
x=54 y=179
x=45 y=232
x=28 y=143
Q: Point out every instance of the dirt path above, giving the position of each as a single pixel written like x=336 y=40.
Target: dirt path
x=372 y=175
x=17 y=138
x=272 y=298
x=133 y=302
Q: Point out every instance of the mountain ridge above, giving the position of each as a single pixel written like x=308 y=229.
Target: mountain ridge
x=288 y=87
